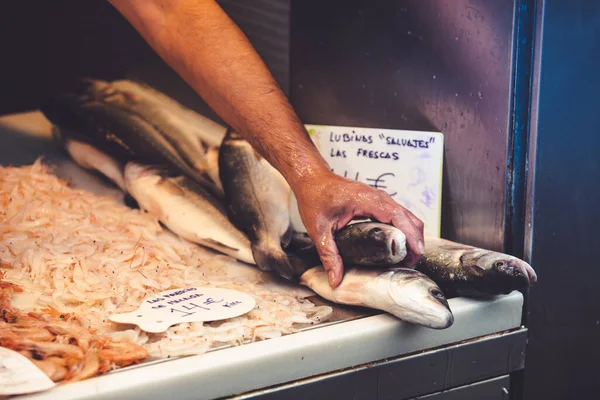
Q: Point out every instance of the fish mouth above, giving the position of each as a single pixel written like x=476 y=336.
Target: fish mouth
x=435 y=318
x=394 y=247
x=512 y=275
x=448 y=319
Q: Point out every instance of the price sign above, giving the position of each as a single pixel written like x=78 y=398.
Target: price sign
x=195 y=304
x=407 y=165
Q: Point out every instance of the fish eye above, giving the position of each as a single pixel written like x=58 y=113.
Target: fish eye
x=498 y=264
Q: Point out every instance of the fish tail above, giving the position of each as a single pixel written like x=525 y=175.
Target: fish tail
x=272 y=258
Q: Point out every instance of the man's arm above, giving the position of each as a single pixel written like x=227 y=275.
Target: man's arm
x=201 y=43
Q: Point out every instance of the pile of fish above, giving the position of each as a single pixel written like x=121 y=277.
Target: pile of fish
x=208 y=185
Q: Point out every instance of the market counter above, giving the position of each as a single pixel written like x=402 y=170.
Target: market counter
x=366 y=356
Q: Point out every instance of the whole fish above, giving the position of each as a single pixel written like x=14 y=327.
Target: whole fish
x=257 y=198
x=196 y=125
x=364 y=244
x=186 y=209
x=462 y=270
x=118 y=133
x=458 y=269
x=188 y=132
x=405 y=293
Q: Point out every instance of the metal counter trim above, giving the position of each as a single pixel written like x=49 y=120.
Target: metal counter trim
x=276 y=361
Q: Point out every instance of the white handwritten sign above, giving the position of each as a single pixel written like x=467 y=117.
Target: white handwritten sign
x=405 y=164
x=195 y=304
x=18 y=375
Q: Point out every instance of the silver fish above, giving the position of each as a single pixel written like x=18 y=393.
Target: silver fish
x=187 y=131
x=405 y=293
x=257 y=198
x=459 y=270
x=365 y=244
x=186 y=209
x=463 y=270
x=371 y=244
x=117 y=132
x=195 y=125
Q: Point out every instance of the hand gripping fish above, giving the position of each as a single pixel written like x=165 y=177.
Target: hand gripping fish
x=369 y=251
x=257 y=199
x=458 y=269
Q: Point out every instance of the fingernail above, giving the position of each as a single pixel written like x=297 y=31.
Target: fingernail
x=331 y=277
x=421 y=247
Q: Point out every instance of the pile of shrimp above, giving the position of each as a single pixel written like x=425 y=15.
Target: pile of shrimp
x=58 y=344
x=89 y=256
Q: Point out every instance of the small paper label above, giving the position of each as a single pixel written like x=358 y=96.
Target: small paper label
x=18 y=375
x=194 y=304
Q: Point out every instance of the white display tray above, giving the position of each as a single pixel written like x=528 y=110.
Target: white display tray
x=257 y=365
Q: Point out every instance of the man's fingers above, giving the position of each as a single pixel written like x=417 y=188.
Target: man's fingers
x=414 y=238
x=329 y=254
x=334 y=267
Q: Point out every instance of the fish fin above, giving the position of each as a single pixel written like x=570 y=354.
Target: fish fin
x=271 y=258
x=469 y=260
x=170 y=187
x=219 y=245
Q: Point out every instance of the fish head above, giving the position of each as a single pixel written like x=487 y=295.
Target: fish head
x=394 y=238
x=501 y=272
x=419 y=299
x=371 y=244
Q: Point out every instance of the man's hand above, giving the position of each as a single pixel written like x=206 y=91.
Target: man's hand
x=328 y=202
x=205 y=47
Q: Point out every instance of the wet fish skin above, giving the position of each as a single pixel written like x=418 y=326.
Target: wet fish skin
x=459 y=270
x=405 y=293
x=187 y=131
x=371 y=244
x=462 y=270
x=118 y=133
x=186 y=209
x=205 y=129
x=257 y=199
x=365 y=244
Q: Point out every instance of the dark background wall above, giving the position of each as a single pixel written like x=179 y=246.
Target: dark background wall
x=44 y=44
x=563 y=360
x=417 y=65
x=445 y=65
